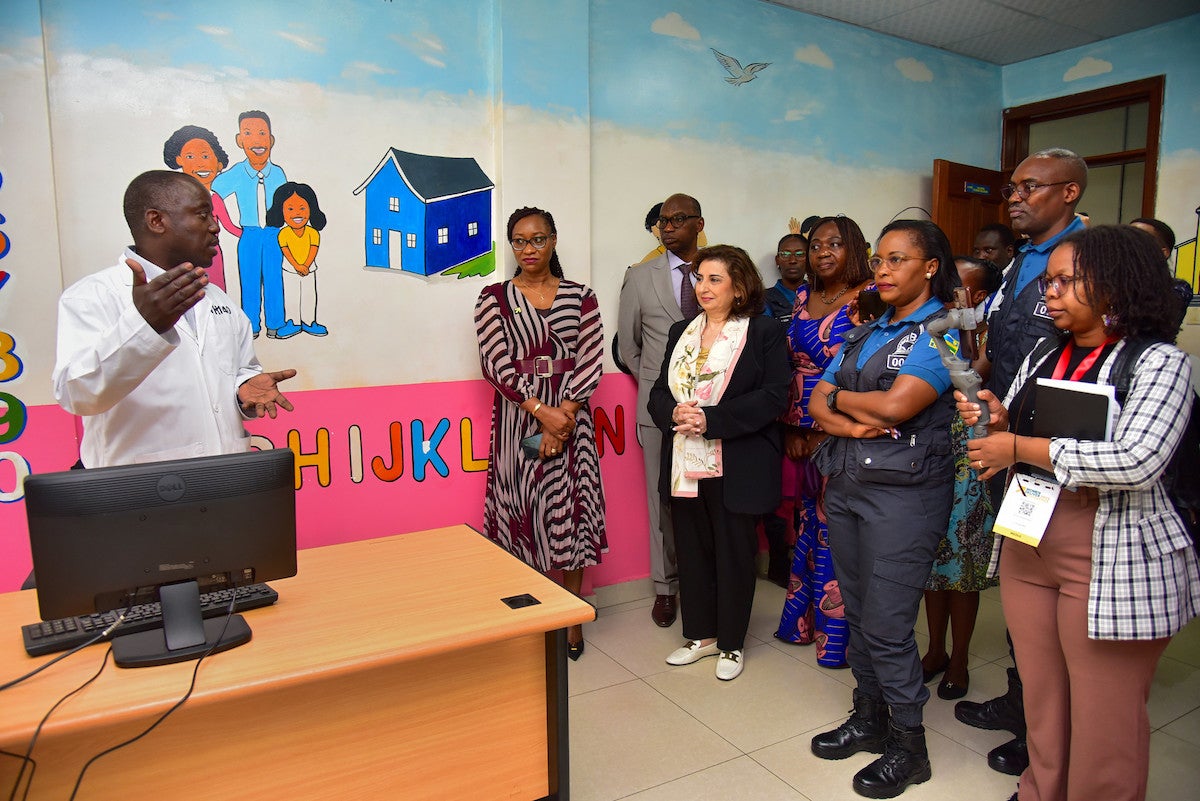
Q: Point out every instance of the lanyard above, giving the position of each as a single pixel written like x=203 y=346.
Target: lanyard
x=1060 y=369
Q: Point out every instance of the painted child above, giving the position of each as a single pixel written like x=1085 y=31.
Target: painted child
x=295 y=211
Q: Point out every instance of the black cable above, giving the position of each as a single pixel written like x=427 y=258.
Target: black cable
x=28 y=758
x=906 y=208
x=102 y=635
x=164 y=715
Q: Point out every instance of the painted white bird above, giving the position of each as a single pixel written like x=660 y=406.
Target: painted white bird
x=740 y=75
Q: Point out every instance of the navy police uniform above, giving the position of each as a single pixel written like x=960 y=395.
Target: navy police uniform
x=888 y=505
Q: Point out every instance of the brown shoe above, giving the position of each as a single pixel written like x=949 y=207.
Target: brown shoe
x=663 y=611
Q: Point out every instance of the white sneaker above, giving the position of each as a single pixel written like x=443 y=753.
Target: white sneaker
x=729 y=665
x=692 y=652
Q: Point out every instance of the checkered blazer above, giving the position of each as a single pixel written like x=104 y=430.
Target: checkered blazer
x=1145 y=577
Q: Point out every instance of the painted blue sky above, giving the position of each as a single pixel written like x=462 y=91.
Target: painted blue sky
x=351 y=45
x=834 y=90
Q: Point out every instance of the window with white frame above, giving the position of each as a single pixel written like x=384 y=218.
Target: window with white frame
x=393 y=204
x=472 y=228
x=443 y=236
x=412 y=240
x=376 y=236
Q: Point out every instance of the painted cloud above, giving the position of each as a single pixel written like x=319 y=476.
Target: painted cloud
x=813 y=54
x=914 y=70
x=1086 y=68
x=674 y=25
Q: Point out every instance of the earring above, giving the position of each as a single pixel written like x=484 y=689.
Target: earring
x=1109 y=319
x=928 y=276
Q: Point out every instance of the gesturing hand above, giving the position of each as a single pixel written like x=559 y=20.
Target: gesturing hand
x=260 y=395
x=164 y=300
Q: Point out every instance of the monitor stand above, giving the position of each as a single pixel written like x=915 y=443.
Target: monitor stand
x=185 y=633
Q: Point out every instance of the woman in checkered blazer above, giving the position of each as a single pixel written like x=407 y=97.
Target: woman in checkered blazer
x=1092 y=607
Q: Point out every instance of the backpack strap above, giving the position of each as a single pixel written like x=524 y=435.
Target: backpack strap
x=1122 y=371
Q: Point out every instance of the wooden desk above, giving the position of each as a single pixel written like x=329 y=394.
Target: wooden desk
x=388 y=669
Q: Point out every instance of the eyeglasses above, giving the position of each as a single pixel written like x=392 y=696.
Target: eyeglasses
x=816 y=246
x=787 y=254
x=538 y=242
x=1059 y=283
x=875 y=262
x=1026 y=188
x=676 y=220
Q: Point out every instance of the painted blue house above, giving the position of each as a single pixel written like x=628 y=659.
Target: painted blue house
x=426 y=214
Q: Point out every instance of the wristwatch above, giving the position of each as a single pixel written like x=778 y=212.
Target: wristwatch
x=831 y=399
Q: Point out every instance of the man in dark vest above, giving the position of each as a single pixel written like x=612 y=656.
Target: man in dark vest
x=1042 y=196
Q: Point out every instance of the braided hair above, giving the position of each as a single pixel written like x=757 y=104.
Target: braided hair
x=528 y=211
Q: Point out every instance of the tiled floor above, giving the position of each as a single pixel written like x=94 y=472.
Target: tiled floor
x=643 y=730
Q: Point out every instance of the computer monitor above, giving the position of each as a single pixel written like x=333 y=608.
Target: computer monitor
x=165 y=531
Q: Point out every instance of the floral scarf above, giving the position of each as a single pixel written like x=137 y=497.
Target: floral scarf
x=694 y=458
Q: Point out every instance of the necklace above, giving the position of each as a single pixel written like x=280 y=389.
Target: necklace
x=526 y=285
x=830 y=301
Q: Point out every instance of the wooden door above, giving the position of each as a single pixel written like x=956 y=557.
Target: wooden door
x=965 y=199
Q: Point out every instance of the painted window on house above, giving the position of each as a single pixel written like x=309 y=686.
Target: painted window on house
x=443 y=236
x=412 y=240
x=393 y=204
x=472 y=228
x=376 y=236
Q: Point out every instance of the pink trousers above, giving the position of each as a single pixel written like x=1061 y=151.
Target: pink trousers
x=1085 y=700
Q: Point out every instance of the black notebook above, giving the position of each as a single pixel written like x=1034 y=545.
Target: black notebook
x=1074 y=409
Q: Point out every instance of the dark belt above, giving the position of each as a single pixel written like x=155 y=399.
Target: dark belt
x=544 y=366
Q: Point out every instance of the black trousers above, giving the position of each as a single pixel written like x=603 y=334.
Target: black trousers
x=883 y=540
x=715 y=551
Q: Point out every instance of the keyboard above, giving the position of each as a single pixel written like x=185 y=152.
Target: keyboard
x=66 y=633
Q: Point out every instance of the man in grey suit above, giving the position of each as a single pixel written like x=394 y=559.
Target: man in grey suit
x=656 y=294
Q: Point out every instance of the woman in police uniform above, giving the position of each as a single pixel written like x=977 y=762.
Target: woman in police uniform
x=886 y=403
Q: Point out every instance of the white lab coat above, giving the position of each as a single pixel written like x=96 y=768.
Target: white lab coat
x=146 y=396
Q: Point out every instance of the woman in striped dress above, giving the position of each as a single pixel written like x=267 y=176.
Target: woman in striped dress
x=541 y=345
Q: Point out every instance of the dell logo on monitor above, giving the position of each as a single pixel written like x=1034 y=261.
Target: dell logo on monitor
x=171 y=487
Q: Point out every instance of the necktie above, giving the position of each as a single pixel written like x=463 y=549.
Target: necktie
x=262 y=202
x=687 y=293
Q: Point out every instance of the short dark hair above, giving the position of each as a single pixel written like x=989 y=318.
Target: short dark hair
x=786 y=237
x=528 y=211
x=934 y=244
x=255 y=114
x=1123 y=277
x=809 y=223
x=173 y=147
x=1077 y=169
x=652 y=215
x=747 y=283
x=151 y=190
x=1162 y=231
x=857 y=269
x=1007 y=237
x=992 y=275
x=316 y=217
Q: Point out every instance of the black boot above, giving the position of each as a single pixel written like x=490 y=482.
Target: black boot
x=865 y=730
x=905 y=761
x=1011 y=758
x=1006 y=712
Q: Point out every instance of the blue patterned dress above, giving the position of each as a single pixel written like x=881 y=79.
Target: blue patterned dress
x=813 y=610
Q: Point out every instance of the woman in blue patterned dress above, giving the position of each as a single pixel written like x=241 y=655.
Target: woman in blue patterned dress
x=826 y=308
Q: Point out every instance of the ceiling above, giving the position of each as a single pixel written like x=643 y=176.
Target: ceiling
x=999 y=31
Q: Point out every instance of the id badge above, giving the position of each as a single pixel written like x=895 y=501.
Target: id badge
x=1026 y=510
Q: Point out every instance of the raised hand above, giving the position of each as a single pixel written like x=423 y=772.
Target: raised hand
x=164 y=300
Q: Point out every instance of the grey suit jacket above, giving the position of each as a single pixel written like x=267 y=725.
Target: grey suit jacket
x=647 y=311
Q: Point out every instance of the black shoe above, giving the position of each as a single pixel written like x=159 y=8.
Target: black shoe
x=663 y=611
x=1011 y=758
x=950 y=691
x=905 y=761
x=929 y=675
x=1006 y=712
x=865 y=730
x=575 y=650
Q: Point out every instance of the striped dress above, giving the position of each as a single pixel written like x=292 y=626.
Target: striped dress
x=550 y=514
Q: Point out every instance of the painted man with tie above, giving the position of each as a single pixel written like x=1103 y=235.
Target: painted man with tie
x=656 y=294
x=260 y=261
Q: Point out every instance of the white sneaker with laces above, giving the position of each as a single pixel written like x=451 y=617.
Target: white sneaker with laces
x=693 y=651
x=729 y=665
